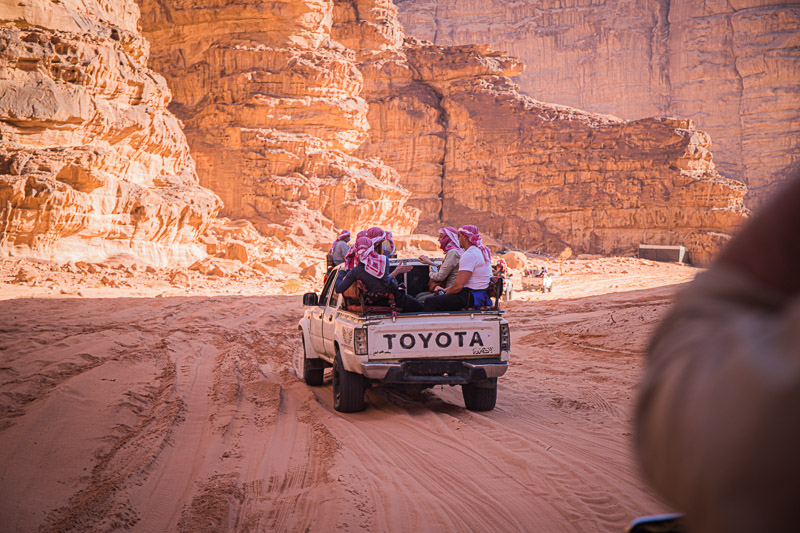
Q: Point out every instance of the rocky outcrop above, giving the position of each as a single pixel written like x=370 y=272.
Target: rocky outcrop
x=732 y=66
x=91 y=162
x=272 y=110
x=538 y=176
x=291 y=107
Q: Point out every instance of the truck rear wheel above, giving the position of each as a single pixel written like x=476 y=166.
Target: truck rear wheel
x=313 y=369
x=480 y=396
x=348 y=388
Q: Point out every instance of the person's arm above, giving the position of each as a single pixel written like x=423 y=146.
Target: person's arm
x=401 y=269
x=449 y=264
x=461 y=279
x=345 y=279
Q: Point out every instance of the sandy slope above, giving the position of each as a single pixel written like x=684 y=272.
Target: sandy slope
x=184 y=413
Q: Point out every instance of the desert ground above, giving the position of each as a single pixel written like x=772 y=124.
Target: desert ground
x=148 y=404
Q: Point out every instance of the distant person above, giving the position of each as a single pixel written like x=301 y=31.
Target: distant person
x=472 y=280
x=718 y=416
x=445 y=274
x=339 y=248
x=350 y=259
x=372 y=269
x=501 y=269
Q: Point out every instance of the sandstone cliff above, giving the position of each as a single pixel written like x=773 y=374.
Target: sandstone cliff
x=272 y=110
x=290 y=107
x=539 y=176
x=732 y=66
x=91 y=162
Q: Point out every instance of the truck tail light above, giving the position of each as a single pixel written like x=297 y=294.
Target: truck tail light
x=505 y=337
x=360 y=341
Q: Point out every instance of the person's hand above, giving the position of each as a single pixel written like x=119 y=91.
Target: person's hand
x=401 y=269
x=438 y=288
x=425 y=259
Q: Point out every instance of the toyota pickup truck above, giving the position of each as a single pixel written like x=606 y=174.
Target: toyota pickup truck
x=369 y=345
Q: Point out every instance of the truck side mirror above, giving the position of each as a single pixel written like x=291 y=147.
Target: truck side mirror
x=310 y=298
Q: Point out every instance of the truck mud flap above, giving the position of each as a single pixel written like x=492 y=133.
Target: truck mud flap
x=436 y=372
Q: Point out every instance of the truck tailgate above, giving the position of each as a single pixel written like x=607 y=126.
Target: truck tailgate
x=434 y=336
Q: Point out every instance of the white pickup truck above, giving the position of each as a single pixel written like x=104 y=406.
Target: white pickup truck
x=367 y=346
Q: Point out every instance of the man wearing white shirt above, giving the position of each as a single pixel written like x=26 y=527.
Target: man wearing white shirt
x=472 y=280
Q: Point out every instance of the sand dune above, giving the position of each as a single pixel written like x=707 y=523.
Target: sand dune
x=185 y=413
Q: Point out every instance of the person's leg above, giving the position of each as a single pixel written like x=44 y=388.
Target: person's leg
x=407 y=303
x=421 y=297
x=447 y=302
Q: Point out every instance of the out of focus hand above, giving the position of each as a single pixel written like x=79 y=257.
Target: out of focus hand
x=401 y=269
x=425 y=259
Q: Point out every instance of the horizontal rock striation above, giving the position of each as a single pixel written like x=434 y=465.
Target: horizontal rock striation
x=271 y=106
x=537 y=176
x=91 y=162
x=732 y=66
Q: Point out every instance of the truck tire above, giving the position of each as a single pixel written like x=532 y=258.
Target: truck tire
x=313 y=369
x=348 y=388
x=480 y=396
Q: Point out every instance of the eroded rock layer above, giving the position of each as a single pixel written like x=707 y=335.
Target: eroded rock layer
x=272 y=110
x=732 y=66
x=540 y=177
x=91 y=162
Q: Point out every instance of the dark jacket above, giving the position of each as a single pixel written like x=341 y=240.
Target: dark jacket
x=373 y=284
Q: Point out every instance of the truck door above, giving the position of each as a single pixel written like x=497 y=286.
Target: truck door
x=329 y=324
x=315 y=318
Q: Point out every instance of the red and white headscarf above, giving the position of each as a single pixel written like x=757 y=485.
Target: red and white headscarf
x=374 y=263
x=501 y=264
x=350 y=259
x=343 y=236
x=448 y=239
x=378 y=235
x=474 y=237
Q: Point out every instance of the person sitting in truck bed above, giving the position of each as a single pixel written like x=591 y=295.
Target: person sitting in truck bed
x=339 y=248
x=447 y=272
x=472 y=280
x=373 y=270
x=384 y=244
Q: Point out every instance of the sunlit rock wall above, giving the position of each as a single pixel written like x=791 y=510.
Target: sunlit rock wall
x=271 y=107
x=538 y=176
x=91 y=162
x=731 y=65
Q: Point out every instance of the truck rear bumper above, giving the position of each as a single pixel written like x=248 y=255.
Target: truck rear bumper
x=436 y=371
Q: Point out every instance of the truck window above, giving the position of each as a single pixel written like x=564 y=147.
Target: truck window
x=417 y=280
x=328 y=289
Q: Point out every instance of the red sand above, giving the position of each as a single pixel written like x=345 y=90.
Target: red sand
x=119 y=410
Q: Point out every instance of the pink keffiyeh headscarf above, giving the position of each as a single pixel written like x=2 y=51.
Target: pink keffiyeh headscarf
x=350 y=259
x=474 y=237
x=375 y=264
x=501 y=263
x=343 y=236
x=448 y=239
x=378 y=235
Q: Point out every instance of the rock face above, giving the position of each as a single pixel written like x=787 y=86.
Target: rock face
x=543 y=177
x=271 y=104
x=91 y=162
x=291 y=107
x=731 y=65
